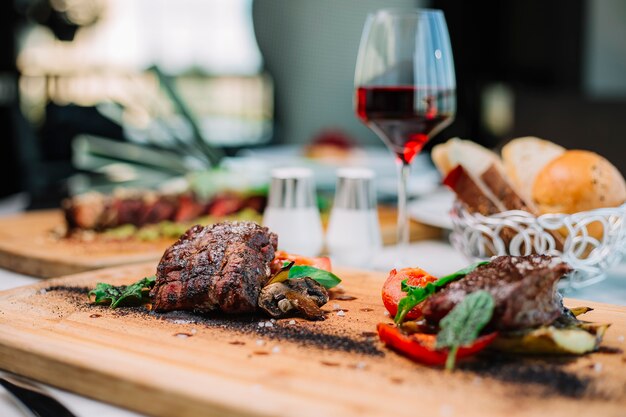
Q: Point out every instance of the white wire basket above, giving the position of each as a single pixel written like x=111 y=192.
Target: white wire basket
x=590 y=241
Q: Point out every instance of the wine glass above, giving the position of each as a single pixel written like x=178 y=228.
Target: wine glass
x=405 y=88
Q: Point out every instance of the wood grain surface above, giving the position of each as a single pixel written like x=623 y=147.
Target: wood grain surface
x=181 y=365
x=29 y=246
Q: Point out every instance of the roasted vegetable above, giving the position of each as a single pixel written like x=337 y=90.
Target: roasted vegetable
x=421 y=347
x=549 y=340
x=281 y=275
x=303 y=295
x=579 y=311
x=392 y=289
x=167 y=229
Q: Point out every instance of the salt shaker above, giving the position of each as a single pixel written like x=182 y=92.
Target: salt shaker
x=353 y=237
x=292 y=212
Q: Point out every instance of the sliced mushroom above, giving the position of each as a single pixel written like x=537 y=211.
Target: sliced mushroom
x=303 y=295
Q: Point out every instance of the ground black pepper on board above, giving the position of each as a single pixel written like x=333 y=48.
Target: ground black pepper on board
x=530 y=375
x=247 y=324
x=296 y=333
x=544 y=376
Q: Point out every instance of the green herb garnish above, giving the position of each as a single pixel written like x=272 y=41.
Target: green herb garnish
x=461 y=326
x=416 y=294
x=123 y=295
x=290 y=270
x=325 y=278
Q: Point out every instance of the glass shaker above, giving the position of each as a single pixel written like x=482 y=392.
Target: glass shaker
x=292 y=211
x=353 y=237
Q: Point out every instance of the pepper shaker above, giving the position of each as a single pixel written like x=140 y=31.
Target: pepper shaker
x=353 y=237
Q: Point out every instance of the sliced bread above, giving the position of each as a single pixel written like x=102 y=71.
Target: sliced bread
x=523 y=159
x=484 y=167
x=474 y=158
x=472 y=192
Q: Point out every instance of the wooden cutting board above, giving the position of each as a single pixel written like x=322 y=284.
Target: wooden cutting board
x=29 y=246
x=179 y=365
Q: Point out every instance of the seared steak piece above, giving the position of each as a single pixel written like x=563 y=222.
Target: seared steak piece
x=219 y=267
x=523 y=287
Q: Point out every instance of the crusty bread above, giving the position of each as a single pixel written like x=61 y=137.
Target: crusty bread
x=476 y=197
x=477 y=177
x=502 y=190
x=523 y=159
x=485 y=169
x=474 y=158
x=578 y=181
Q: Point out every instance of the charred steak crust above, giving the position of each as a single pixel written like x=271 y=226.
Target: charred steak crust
x=219 y=267
x=524 y=289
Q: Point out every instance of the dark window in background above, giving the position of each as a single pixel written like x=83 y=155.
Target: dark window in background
x=553 y=69
x=9 y=177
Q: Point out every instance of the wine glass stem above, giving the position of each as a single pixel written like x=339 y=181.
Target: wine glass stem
x=404 y=170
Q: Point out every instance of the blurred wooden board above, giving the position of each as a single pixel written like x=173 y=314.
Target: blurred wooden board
x=28 y=245
x=388 y=227
x=166 y=367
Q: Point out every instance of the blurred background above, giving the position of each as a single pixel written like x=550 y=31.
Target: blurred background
x=100 y=93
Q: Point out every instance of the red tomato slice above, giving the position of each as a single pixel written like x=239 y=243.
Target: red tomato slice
x=421 y=347
x=281 y=257
x=392 y=289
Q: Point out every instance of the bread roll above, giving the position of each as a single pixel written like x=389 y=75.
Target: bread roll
x=578 y=181
x=523 y=159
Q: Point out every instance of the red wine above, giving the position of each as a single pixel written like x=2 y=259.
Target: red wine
x=404 y=117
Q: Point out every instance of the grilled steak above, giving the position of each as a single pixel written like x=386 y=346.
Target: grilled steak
x=523 y=287
x=96 y=211
x=220 y=267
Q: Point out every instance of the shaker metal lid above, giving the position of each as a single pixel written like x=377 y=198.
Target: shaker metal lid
x=355 y=189
x=292 y=188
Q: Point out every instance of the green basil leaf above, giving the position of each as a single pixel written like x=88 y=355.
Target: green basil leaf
x=462 y=325
x=117 y=296
x=325 y=278
x=134 y=293
x=416 y=294
x=105 y=293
